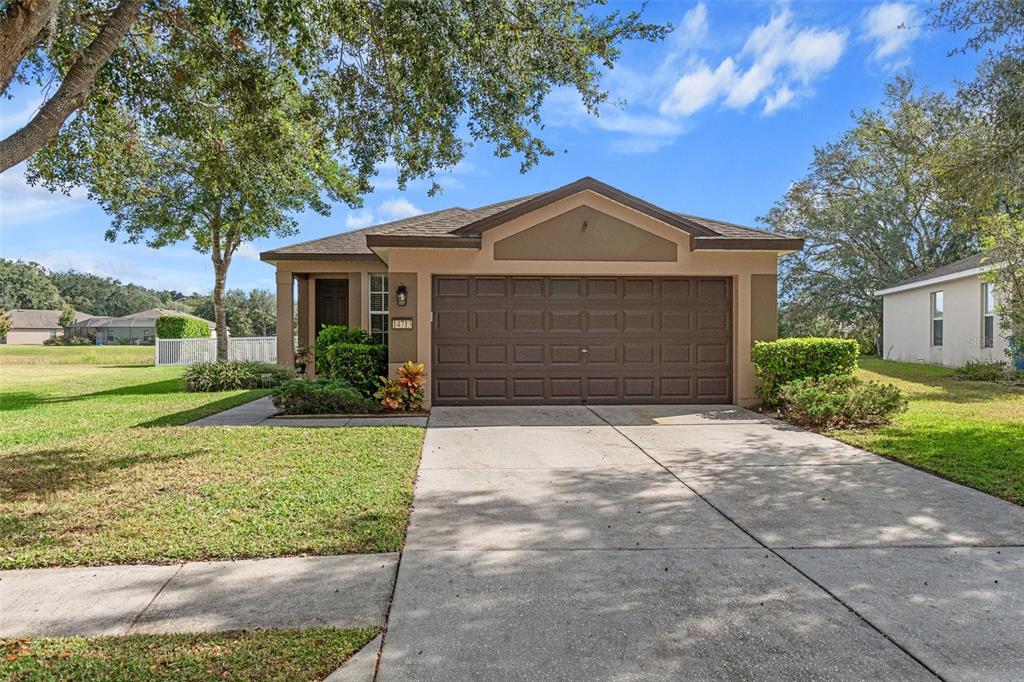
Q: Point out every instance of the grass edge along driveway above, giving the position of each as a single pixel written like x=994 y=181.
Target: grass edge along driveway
x=91 y=473
x=970 y=432
x=240 y=655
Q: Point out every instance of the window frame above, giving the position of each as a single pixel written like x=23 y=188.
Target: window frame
x=988 y=316
x=938 y=306
x=382 y=281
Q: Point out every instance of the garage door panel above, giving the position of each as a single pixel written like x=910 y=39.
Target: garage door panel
x=522 y=339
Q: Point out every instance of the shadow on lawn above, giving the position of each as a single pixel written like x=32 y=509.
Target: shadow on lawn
x=204 y=410
x=22 y=400
x=49 y=471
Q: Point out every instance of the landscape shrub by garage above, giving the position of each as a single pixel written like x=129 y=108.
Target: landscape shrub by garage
x=349 y=353
x=780 y=362
x=322 y=396
x=205 y=377
x=838 y=401
x=178 y=327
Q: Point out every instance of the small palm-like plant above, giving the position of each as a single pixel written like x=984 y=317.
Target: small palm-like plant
x=391 y=394
x=405 y=392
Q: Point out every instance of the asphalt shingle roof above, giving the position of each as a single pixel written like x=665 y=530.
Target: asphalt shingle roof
x=444 y=223
x=962 y=265
x=39 y=319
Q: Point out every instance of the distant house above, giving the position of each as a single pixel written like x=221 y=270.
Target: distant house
x=137 y=328
x=35 y=326
x=943 y=317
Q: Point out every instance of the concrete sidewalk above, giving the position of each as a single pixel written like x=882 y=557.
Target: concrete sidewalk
x=328 y=591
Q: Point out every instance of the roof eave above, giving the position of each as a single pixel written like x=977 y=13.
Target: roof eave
x=777 y=244
x=421 y=242
x=273 y=256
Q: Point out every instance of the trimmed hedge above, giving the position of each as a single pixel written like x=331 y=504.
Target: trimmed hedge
x=840 y=401
x=351 y=355
x=322 y=396
x=205 y=377
x=179 y=327
x=780 y=362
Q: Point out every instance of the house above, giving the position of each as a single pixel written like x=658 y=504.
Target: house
x=137 y=328
x=35 y=326
x=943 y=317
x=580 y=294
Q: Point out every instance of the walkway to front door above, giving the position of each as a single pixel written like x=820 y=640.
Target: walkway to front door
x=659 y=543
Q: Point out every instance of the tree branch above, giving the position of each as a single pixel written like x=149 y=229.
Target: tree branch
x=72 y=93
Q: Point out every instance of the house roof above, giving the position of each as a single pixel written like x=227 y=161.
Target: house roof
x=458 y=227
x=961 y=268
x=39 y=319
x=144 y=318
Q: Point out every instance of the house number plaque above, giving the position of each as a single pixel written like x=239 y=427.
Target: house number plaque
x=401 y=323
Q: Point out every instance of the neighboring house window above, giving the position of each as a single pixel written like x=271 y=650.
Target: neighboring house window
x=988 y=317
x=53 y=333
x=379 y=306
x=937 y=318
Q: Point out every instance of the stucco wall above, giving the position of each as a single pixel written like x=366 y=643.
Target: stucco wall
x=24 y=336
x=906 y=325
x=739 y=265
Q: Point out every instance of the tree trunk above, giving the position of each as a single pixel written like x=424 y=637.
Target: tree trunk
x=73 y=91
x=20 y=27
x=220 y=269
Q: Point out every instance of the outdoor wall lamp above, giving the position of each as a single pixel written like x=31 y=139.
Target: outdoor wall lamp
x=402 y=295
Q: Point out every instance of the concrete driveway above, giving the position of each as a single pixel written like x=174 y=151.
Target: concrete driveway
x=633 y=543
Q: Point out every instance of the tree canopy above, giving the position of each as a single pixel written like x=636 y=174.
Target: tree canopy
x=871 y=216
x=26 y=285
x=238 y=115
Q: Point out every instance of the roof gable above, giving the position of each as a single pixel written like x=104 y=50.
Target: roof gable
x=582 y=185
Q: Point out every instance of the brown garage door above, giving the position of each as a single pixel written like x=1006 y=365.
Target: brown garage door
x=523 y=340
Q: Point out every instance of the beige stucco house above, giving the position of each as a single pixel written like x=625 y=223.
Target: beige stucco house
x=943 y=317
x=35 y=326
x=581 y=294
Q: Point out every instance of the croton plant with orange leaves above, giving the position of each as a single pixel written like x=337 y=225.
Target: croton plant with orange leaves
x=406 y=392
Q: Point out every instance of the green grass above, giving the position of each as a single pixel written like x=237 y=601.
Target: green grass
x=76 y=355
x=95 y=468
x=254 y=655
x=971 y=432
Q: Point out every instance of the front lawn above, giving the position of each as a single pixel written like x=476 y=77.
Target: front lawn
x=255 y=655
x=971 y=432
x=76 y=355
x=96 y=468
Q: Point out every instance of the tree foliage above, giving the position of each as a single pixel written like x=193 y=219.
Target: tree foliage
x=238 y=115
x=982 y=167
x=105 y=296
x=871 y=216
x=5 y=323
x=252 y=314
x=25 y=285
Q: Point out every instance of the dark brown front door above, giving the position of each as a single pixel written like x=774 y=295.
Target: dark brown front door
x=331 y=302
x=529 y=340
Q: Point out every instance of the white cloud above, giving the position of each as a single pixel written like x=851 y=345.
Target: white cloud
x=12 y=119
x=20 y=202
x=247 y=250
x=396 y=209
x=360 y=218
x=892 y=27
x=699 y=88
x=779 y=61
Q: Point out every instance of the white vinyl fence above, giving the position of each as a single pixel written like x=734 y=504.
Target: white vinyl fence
x=191 y=351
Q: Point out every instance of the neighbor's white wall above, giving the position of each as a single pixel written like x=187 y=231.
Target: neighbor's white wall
x=906 y=325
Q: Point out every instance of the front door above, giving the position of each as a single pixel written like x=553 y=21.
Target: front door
x=331 y=302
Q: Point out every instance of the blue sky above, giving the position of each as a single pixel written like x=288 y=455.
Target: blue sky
x=718 y=120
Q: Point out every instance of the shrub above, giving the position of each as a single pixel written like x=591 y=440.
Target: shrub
x=840 y=401
x=350 y=354
x=405 y=392
x=982 y=371
x=321 y=396
x=180 y=327
x=230 y=376
x=780 y=362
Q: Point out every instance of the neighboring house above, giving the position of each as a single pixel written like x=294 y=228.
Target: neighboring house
x=35 y=326
x=943 y=317
x=137 y=328
x=581 y=294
